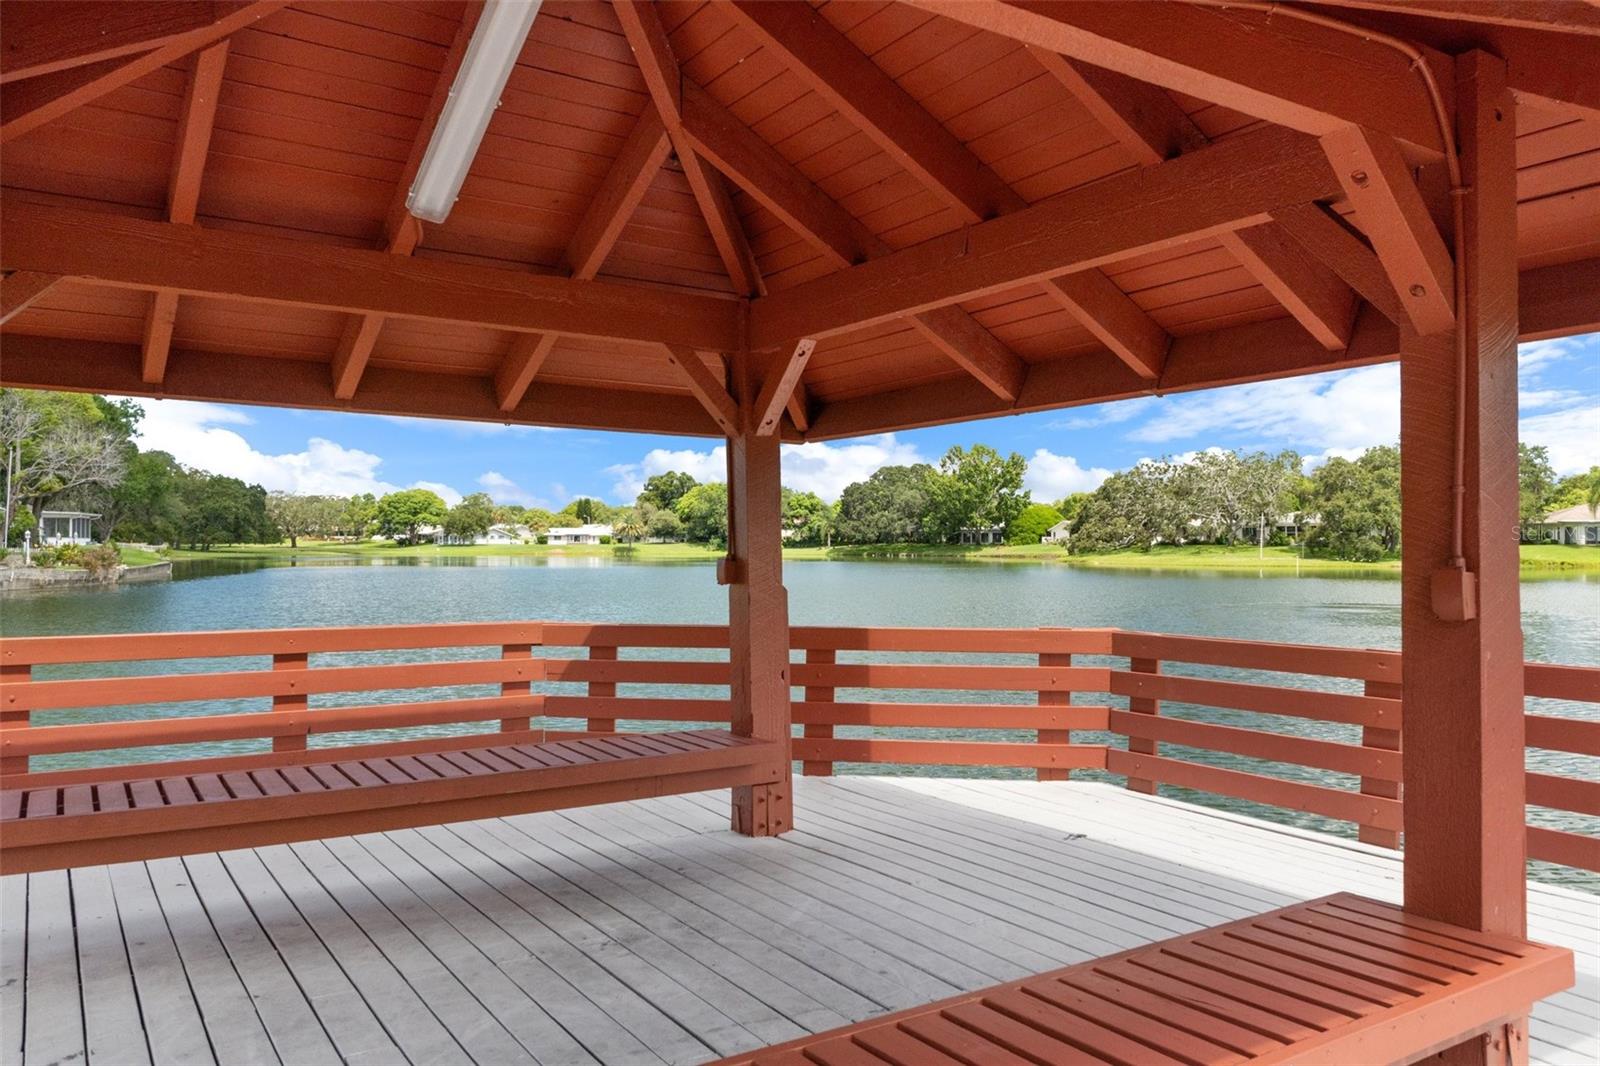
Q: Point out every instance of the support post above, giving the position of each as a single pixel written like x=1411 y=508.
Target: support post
x=820 y=730
x=521 y=722
x=1383 y=739
x=1462 y=728
x=758 y=608
x=1143 y=705
x=605 y=689
x=1054 y=699
x=291 y=701
x=15 y=674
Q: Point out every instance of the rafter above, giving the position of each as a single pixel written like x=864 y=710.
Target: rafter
x=46 y=36
x=829 y=64
x=1333 y=243
x=1229 y=185
x=775 y=182
x=402 y=232
x=1377 y=181
x=1141 y=116
x=703 y=384
x=520 y=366
x=193 y=143
x=624 y=186
x=641 y=24
x=19 y=289
x=1112 y=316
x=1292 y=73
x=69 y=89
x=225 y=377
x=136 y=253
x=779 y=388
x=1317 y=297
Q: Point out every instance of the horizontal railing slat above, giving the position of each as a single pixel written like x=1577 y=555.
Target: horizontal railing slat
x=1257 y=744
x=1272 y=791
x=1564 y=793
x=959 y=640
x=126 y=647
x=1360 y=663
x=1345 y=708
x=1580 y=683
x=639 y=671
x=938 y=676
x=951 y=715
x=952 y=753
x=642 y=709
x=1563 y=734
x=242 y=684
x=1560 y=846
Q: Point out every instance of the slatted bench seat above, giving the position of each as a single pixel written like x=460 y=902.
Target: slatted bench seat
x=317 y=794
x=1337 y=980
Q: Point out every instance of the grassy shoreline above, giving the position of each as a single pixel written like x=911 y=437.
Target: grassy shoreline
x=1535 y=557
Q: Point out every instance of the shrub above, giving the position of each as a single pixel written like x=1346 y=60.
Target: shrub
x=44 y=557
x=69 y=555
x=101 y=560
x=605 y=538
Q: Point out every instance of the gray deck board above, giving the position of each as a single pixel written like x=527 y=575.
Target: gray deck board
x=646 y=932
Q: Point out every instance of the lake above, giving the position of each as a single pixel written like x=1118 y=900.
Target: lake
x=1561 y=615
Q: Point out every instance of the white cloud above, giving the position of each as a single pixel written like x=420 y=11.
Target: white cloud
x=465 y=427
x=504 y=490
x=197 y=435
x=449 y=495
x=1352 y=409
x=1052 y=476
x=1571 y=435
x=822 y=468
x=1105 y=414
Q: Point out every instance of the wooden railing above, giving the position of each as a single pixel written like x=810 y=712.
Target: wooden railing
x=1297 y=727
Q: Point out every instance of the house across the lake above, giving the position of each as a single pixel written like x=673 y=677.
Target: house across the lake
x=1578 y=524
x=66 y=527
x=1060 y=533
x=588 y=533
x=500 y=533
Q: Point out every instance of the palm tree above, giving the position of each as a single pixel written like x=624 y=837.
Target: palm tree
x=1592 y=496
x=629 y=528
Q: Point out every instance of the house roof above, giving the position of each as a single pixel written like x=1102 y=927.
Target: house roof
x=1577 y=513
x=216 y=210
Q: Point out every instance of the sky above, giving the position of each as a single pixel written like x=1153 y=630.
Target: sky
x=1072 y=450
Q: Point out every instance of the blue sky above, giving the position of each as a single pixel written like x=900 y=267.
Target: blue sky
x=1070 y=450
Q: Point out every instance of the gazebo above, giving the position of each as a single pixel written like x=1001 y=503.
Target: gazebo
x=777 y=222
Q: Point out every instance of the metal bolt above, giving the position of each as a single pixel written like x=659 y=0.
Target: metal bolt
x=1359 y=177
x=1418 y=290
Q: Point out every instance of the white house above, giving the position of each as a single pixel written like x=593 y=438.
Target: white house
x=66 y=527
x=1571 y=525
x=589 y=533
x=1060 y=533
x=500 y=533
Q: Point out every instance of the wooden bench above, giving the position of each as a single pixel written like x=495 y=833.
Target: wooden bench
x=1338 y=980
x=313 y=794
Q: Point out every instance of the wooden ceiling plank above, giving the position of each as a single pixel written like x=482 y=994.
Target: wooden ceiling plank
x=1333 y=243
x=19 y=289
x=1112 y=316
x=1142 y=117
x=1316 y=296
x=137 y=253
x=641 y=25
x=1229 y=185
x=1292 y=73
x=402 y=231
x=42 y=109
x=780 y=187
x=829 y=64
x=712 y=394
x=779 y=388
x=46 y=36
x=222 y=377
x=1377 y=181
x=624 y=186
x=520 y=366
x=192 y=144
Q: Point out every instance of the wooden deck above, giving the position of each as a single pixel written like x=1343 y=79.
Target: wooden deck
x=647 y=932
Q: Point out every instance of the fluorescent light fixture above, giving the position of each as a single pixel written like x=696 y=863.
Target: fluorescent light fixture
x=493 y=51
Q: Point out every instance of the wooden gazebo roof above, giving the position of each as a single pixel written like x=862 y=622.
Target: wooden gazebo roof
x=968 y=218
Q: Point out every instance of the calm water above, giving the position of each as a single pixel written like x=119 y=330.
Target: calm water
x=1561 y=621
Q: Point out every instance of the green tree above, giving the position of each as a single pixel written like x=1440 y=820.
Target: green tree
x=704 y=513
x=144 y=506
x=807 y=518
x=398 y=514
x=221 y=510
x=889 y=507
x=976 y=487
x=1134 y=508
x=666 y=525
x=1536 y=483
x=1071 y=504
x=471 y=518
x=1357 y=504
x=631 y=527
x=1032 y=524
x=538 y=519
x=586 y=510
x=359 y=515
x=665 y=490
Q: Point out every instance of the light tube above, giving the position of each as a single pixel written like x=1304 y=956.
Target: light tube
x=496 y=42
